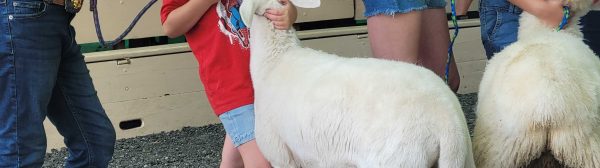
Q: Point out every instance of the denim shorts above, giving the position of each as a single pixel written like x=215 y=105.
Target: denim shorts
x=239 y=124
x=391 y=7
x=499 y=25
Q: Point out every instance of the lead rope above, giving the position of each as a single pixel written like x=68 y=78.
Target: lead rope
x=565 y=20
x=94 y=9
x=451 y=46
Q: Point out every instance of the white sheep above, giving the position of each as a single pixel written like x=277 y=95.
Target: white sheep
x=315 y=109
x=540 y=97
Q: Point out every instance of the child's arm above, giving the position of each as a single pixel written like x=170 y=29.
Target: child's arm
x=549 y=11
x=282 y=18
x=182 y=19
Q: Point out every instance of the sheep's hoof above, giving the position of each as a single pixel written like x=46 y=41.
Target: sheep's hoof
x=547 y=160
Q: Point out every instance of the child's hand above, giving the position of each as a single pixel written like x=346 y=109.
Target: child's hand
x=282 y=18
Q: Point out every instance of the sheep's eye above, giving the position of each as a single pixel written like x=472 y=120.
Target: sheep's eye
x=281 y=2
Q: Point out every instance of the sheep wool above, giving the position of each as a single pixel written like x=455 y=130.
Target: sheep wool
x=539 y=100
x=315 y=109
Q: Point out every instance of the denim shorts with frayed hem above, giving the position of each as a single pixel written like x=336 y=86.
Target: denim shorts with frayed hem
x=391 y=7
x=239 y=124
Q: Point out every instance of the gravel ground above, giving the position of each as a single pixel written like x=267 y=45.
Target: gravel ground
x=190 y=147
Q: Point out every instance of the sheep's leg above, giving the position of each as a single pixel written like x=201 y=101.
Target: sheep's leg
x=506 y=145
x=282 y=157
x=273 y=148
x=577 y=146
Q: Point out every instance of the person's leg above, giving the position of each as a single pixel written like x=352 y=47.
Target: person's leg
x=29 y=60
x=412 y=37
x=76 y=111
x=239 y=125
x=8 y=111
x=433 y=46
x=591 y=30
x=252 y=155
x=230 y=156
x=395 y=37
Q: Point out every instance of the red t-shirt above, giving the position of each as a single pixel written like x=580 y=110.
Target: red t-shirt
x=222 y=53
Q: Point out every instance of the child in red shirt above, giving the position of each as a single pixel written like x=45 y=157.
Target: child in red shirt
x=219 y=40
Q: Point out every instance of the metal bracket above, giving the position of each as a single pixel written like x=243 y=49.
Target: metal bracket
x=124 y=61
x=362 y=36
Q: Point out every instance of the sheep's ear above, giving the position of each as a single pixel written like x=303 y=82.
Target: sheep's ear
x=596 y=5
x=247 y=11
x=307 y=3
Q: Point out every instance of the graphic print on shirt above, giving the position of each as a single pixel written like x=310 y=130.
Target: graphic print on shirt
x=230 y=22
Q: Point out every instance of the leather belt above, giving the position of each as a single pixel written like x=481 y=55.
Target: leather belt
x=56 y=2
x=71 y=6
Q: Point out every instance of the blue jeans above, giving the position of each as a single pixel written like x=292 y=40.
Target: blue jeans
x=591 y=30
x=499 y=25
x=43 y=74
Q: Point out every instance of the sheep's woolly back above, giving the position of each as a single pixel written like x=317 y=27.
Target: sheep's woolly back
x=541 y=93
x=537 y=95
x=315 y=109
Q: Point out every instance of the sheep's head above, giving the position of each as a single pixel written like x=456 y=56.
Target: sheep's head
x=251 y=7
x=582 y=7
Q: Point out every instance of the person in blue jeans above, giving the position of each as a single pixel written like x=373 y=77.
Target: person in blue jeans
x=500 y=20
x=43 y=74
